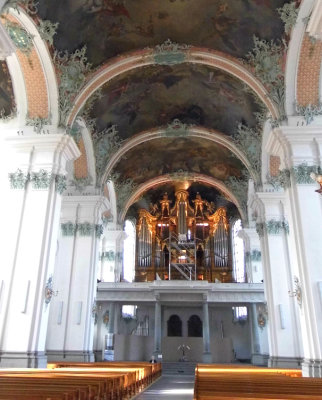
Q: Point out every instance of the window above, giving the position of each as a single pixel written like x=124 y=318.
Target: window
x=174 y=326
x=129 y=252
x=129 y=311
x=239 y=314
x=238 y=253
x=194 y=326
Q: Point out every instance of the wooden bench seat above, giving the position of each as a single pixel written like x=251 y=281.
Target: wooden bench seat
x=77 y=381
x=227 y=382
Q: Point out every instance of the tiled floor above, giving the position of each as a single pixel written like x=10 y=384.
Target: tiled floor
x=174 y=387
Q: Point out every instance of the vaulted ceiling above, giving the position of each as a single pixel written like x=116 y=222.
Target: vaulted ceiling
x=139 y=101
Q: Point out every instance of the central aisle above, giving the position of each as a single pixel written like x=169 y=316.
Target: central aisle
x=168 y=387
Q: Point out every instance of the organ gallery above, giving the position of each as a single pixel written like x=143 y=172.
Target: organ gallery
x=183 y=238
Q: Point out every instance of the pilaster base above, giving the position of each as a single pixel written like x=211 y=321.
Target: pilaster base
x=72 y=356
x=108 y=355
x=98 y=355
x=312 y=368
x=260 y=359
x=207 y=358
x=284 y=362
x=12 y=359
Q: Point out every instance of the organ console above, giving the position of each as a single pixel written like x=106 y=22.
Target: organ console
x=190 y=240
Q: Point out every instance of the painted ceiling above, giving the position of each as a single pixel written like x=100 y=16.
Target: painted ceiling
x=170 y=155
x=154 y=96
x=7 y=102
x=209 y=193
x=112 y=27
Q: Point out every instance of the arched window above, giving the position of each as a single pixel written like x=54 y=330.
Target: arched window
x=194 y=326
x=129 y=252
x=238 y=253
x=174 y=326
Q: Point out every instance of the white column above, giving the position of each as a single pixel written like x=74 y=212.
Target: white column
x=284 y=340
x=206 y=357
x=255 y=271
x=112 y=254
x=70 y=337
x=157 y=328
x=301 y=149
x=32 y=217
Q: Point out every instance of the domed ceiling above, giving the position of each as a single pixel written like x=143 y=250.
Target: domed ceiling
x=112 y=27
x=154 y=96
x=169 y=155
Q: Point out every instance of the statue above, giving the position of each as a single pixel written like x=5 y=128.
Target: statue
x=198 y=202
x=154 y=208
x=165 y=205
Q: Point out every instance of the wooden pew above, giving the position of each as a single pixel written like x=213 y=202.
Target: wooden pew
x=227 y=382
x=77 y=381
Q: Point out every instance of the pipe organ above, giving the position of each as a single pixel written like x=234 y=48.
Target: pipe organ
x=190 y=240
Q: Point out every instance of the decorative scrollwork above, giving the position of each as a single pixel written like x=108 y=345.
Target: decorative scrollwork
x=106 y=143
x=72 y=70
x=255 y=255
x=61 y=185
x=282 y=180
x=297 y=292
x=38 y=123
x=81 y=183
x=41 y=179
x=266 y=61
x=49 y=290
x=302 y=173
x=22 y=39
x=288 y=14
x=309 y=111
x=18 y=179
x=170 y=53
x=47 y=30
x=123 y=189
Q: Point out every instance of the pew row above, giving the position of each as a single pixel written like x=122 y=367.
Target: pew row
x=78 y=381
x=229 y=382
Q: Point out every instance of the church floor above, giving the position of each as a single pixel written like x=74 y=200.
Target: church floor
x=169 y=387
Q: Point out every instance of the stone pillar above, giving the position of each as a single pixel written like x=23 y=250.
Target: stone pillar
x=37 y=166
x=257 y=356
x=71 y=322
x=206 y=357
x=273 y=228
x=254 y=255
x=300 y=149
x=157 y=329
x=112 y=254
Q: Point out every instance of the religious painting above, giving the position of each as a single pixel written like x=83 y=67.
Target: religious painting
x=154 y=96
x=112 y=27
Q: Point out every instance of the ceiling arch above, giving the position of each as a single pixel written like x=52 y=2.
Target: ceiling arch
x=169 y=155
x=164 y=179
x=138 y=59
x=194 y=131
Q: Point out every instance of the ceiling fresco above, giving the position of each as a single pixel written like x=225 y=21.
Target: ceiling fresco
x=112 y=27
x=154 y=96
x=7 y=102
x=169 y=155
x=207 y=192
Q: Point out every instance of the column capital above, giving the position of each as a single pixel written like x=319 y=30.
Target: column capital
x=296 y=145
x=48 y=152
